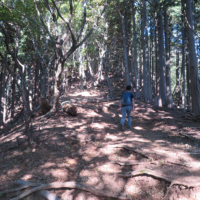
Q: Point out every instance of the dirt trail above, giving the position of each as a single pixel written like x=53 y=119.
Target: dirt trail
x=91 y=150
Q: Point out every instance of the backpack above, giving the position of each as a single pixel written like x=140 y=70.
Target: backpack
x=126 y=99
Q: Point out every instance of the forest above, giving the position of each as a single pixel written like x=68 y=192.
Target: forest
x=64 y=66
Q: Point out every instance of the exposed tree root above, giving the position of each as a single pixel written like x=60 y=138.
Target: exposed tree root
x=44 y=193
x=24 y=185
x=21 y=188
x=187 y=136
x=172 y=180
x=133 y=163
x=148 y=162
x=134 y=150
x=47 y=115
x=146 y=156
x=180 y=164
x=72 y=185
x=191 y=117
x=168 y=189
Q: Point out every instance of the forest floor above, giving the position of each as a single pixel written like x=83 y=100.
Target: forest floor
x=159 y=158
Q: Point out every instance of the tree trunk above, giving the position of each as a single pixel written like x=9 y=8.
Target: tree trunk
x=107 y=78
x=183 y=58
x=5 y=98
x=188 y=81
x=161 y=60
x=13 y=94
x=74 y=61
x=135 y=54
x=26 y=104
x=59 y=67
x=177 y=78
x=167 y=56
x=43 y=81
x=158 y=73
x=122 y=67
x=83 y=83
x=143 y=44
x=153 y=73
x=100 y=67
x=30 y=88
x=152 y=64
x=9 y=97
x=195 y=90
x=149 y=94
x=3 y=71
x=37 y=91
x=127 y=23
x=91 y=69
x=140 y=64
x=1 y=87
x=64 y=85
x=199 y=56
x=127 y=78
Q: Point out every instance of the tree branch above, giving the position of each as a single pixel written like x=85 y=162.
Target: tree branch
x=7 y=39
x=74 y=41
x=49 y=64
x=71 y=10
x=40 y=17
x=72 y=49
x=35 y=45
x=12 y=53
x=5 y=5
x=10 y=71
x=83 y=23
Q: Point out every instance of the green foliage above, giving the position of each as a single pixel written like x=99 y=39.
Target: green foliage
x=23 y=14
x=2 y=194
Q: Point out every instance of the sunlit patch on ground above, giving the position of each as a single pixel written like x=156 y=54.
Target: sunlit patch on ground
x=98 y=125
x=83 y=94
x=108 y=168
x=59 y=173
x=87 y=158
x=27 y=177
x=8 y=138
x=93 y=181
x=13 y=172
x=147 y=187
x=71 y=161
x=47 y=165
x=108 y=150
x=112 y=137
x=138 y=128
x=74 y=124
x=91 y=152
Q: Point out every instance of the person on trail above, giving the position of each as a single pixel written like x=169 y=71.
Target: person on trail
x=126 y=106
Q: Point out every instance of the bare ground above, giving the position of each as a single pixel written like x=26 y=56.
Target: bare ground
x=89 y=149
